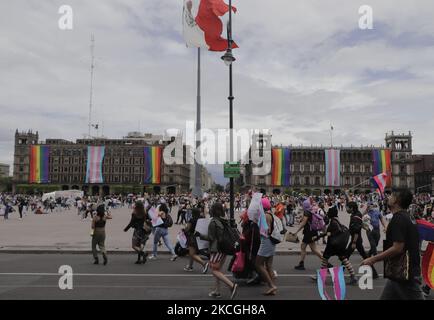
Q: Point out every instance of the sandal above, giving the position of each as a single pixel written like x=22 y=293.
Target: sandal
x=271 y=292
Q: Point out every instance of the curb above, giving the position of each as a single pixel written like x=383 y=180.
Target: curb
x=117 y=252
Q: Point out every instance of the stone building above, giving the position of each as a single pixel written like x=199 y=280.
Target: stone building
x=122 y=167
x=424 y=173
x=4 y=170
x=307 y=167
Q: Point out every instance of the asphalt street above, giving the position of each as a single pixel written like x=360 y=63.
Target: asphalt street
x=36 y=276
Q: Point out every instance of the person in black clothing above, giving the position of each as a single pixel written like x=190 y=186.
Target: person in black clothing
x=338 y=237
x=402 y=243
x=142 y=230
x=192 y=243
x=181 y=214
x=21 y=203
x=250 y=246
x=355 y=227
x=308 y=234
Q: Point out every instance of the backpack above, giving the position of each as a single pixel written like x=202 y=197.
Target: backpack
x=340 y=240
x=168 y=222
x=276 y=236
x=229 y=243
x=317 y=223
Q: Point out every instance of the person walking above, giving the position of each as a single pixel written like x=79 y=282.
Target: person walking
x=355 y=227
x=161 y=231
x=99 y=234
x=337 y=236
x=267 y=249
x=192 y=243
x=374 y=235
x=142 y=230
x=217 y=258
x=308 y=234
x=401 y=253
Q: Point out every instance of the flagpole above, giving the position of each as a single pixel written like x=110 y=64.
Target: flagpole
x=331 y=136
x=357 y=185
x=197 y=191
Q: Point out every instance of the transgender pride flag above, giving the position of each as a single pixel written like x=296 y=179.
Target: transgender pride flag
x=95 y=156
x=333 y=167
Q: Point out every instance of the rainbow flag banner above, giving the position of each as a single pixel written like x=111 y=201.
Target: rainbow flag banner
x=152 y=165
x=333 y=167
x=39 y=161
x=95 y=157
x=280 y=174
x=382 y=164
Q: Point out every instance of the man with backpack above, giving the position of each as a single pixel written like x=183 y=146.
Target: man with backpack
x=311 y=225
x=161 y=231
x=222 y=242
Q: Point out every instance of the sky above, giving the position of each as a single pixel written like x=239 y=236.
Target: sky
x=301 y=66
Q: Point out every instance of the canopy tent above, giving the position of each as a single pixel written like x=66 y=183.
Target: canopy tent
x=63 y=194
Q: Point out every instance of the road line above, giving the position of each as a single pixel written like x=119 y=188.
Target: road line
x=143 y=275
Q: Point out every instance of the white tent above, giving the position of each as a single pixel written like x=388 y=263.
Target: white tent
x=63 y=194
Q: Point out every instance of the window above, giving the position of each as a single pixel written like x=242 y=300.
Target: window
x=306 y=181
x=297 y=181
x=21 y=169
x=317 y=181
x=347 y=181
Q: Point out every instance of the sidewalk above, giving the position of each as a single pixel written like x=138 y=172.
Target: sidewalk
x=65 y=232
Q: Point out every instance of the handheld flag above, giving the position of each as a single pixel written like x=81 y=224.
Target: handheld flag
x=380 y=182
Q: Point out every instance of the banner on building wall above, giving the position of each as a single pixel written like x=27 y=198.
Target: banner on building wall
x=333 y=167
x=281 y=173
x=383 y=164
x=152 y=165
x=95 y=157
x=39 y=164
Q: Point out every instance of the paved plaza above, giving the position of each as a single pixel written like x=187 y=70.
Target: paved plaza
x=65 y=231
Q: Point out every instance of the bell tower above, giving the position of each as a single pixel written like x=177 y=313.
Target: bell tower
x=21 y=168
x=402 y=159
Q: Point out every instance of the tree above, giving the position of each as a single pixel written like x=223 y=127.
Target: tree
x=218 y=187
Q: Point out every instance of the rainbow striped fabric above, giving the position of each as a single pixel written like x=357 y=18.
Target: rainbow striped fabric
x=281 y=161
x=428 y=265
x=39 y=164
x=152 y=165
x=382 y=164
x=95 y=157
x=333 y=167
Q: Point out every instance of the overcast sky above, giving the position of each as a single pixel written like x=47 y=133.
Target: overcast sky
x=301 y=65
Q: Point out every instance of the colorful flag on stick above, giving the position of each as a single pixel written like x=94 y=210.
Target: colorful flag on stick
x=383 y=164
x=380 y=182
x=202 y=26
x=39 y=164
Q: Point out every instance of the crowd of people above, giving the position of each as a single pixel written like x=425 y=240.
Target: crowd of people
x=318 y=218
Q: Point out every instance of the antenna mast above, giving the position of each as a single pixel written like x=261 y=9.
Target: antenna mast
x=92 y=66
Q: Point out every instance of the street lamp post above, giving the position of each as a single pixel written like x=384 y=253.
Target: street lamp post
x=228 y=58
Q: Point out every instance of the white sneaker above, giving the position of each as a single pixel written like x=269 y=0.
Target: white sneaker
x=188 y=268
x=174 y=257
x=152 y=257
x=205 y=269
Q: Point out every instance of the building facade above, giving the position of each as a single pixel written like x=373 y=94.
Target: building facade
x=307 y=167
x=424 y=173
x=123 y=167
x=4 y=170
